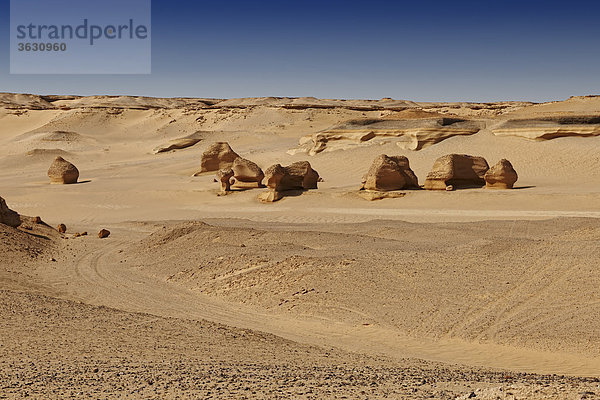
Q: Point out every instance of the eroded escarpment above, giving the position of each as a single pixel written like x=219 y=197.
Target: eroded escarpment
x=409 y=134
x=550 y=127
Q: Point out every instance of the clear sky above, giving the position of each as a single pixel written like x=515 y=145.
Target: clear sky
x=480 y=50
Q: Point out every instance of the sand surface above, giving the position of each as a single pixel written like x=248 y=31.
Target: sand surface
x=322 y=295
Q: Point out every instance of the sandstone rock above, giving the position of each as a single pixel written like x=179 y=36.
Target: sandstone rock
x=63 y=172
x=180 y=143
x=375 y=195
x=413 y=131
x=270 y=196
x=273 y=176
x=8 y=216
x=551 y=127
x=224 y=177
x=458 y=171
x=103 y=233
x=218 y=156
x=501 y=176
x=390 y=173
x=247 y=172
x=295 y=177
x=62 y=228
x=176 y=144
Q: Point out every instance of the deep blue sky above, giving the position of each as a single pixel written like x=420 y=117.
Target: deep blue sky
x=424 y=51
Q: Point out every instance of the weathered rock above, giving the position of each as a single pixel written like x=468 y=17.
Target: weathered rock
x=551 y=127
x=375 y=195
x=501 y=176
x=270 y=196
x=273 y=176
x=414 y=130
x=300 y=174
x=390 y=173
x=104 y=233
x=295 y=177
x=458 y=171
x=8 y=216
x=62 y=228
x=63 y=172
x=247 y=172
x=218 y=156
x=180 y=143
x=176 y=144
x=224 y=177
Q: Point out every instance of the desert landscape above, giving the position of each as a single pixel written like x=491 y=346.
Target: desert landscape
x=298 y=248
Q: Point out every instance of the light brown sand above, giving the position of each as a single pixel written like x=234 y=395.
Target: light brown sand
x=491 y=280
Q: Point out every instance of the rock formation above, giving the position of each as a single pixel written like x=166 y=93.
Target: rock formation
x=390 y=173
x=246 y=171
x=63 y=172
x=104 y=233
x=501 y=176
x=458 y=171
x=62 y=228
x=224 y=177
x=180 y=143
x=412 y=131
x=8 y=216
x=550 y=127
x=176 y=144
x=279 y=180
x=218 y=156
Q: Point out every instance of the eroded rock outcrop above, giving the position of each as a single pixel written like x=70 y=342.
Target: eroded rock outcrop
x=62 y=172
x=218 y=156
x=409 y=131
x=224 y=177
x=550 y=127
x=457 y=171
x=177 y=144
x=390 y=173
x=8 y=216
x=247 y=172
x=501 y=176
x=295 y=177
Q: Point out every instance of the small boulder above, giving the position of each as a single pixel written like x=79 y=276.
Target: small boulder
x=390 y=173
x=501 y=176
x=62 y=228
x=63 y=172
x=224 y=176
x=8 y=216
x=457 y=171
x=246 y=171
x=218 y=156
x=103 y=233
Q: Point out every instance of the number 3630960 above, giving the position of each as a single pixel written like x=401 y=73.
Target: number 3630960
x=42 y=46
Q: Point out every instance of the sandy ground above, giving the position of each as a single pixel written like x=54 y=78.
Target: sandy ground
x=480 y=293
